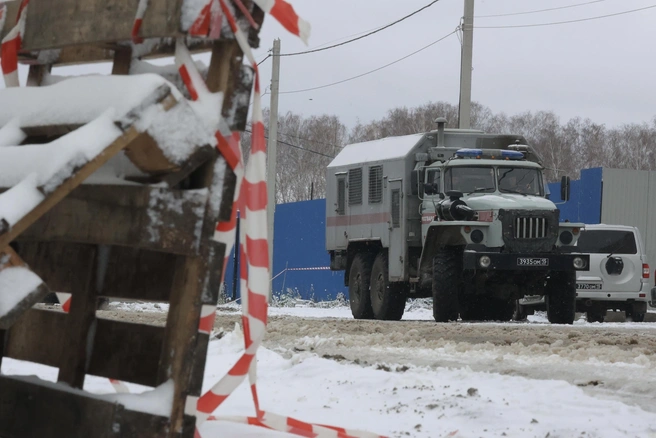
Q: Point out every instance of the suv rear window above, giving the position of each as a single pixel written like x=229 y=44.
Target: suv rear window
x=607 y=242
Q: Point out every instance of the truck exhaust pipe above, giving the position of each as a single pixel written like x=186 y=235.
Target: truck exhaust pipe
x=441 y=123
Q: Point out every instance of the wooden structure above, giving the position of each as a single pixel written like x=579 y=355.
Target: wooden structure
x=136 y=241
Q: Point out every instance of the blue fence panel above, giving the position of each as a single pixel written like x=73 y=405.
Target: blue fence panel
x=584 y=204
x=300 y=260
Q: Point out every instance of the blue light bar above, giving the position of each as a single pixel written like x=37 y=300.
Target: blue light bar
x=512 y=155
x=491 y=154
x=469 y=153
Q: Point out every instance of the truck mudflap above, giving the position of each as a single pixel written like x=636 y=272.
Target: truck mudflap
x=497 y=261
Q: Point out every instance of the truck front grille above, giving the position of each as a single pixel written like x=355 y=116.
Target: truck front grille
x=530 y=227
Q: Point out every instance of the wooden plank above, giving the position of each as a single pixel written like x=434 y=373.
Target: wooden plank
x=9 y=259
x=49 y=22
x=67 y=186
x=122 y=61
x=125 y=351
x=131 y=273
x=151 y=218
x=149 y=158
x=179 y=351
x=81 y=322
x=29 y=407
x=203 y=155
x=36 y=74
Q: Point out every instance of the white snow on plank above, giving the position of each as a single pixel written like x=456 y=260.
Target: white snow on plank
x=11 y=134
x=20 y=199
x=78 y=100
x=55 y=162
x=16 y=283
x=159 y=401
x=376 y=150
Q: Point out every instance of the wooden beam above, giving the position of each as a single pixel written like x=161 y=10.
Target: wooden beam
x=153 y=218
x=122 y=61
x=9 y=259
x=67 y=186
x=35 y=408
x=129 y=352
x=81 y=322
x=131 y=273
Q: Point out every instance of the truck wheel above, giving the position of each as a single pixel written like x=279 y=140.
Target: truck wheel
x=561 y=297
x=447 y=282
x=359 y=297
x=387 y=299
x=636 y=316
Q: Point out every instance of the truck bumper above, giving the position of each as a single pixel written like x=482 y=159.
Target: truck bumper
x=523 y=262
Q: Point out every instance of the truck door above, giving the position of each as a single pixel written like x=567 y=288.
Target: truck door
x=396 y=230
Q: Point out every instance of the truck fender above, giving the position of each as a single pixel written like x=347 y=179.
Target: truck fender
x=438 y=235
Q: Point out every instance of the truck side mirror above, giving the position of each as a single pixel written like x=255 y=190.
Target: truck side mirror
x=564 y=188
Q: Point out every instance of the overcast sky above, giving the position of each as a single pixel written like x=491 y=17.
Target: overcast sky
x=599 y=69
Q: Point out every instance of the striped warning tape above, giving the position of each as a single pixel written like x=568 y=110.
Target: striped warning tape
x=286 y=15
x=65 y=300
x=10 y=46
x=141 y=12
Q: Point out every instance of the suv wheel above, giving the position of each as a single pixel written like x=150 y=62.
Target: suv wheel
x=447 y=282
x=359 y=278
x=561 y=297
x=387 y=299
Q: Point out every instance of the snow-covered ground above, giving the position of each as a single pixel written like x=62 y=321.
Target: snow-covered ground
x=418 y=378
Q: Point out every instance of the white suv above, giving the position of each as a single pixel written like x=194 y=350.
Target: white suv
x=618 y=278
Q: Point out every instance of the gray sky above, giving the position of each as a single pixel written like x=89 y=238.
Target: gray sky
x=601 y=69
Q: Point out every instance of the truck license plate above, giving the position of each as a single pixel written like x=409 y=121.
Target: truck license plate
x=589 y=286
x=532 y=261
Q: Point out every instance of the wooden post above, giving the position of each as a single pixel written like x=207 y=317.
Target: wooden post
x=81 y=322
x=122 y=61
x=36 y=74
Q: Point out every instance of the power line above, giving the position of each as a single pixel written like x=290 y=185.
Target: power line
x=298 y=147
x=539 y=10
x=304 y=139
x=371 y=71
x=565 y=22
x=363 y=36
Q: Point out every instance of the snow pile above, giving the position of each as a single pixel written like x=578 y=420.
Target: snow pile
x=20 y=199
x=11 y=134
x=78 y=100
x=16 y=283
x=53 y=163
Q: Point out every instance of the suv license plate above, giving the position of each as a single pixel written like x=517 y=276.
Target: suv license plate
x=532 y=261
x=589 y=286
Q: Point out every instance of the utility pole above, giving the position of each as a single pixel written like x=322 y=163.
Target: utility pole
x=466 y=65
x=271 y=153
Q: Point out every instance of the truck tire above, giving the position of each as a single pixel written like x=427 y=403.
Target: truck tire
x=359 y=280
x=447 y=282
x=387 y=299
x=561 y=297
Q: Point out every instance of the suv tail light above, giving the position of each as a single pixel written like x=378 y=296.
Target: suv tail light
x=645 y=270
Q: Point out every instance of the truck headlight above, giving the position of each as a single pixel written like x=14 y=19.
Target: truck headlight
x=579 y=263
x=566 y=237
x=484 y=262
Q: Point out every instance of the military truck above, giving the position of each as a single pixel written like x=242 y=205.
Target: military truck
x=457 y=215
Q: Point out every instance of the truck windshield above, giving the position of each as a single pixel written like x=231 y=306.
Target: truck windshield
x=607 y=242
x=520 y=180
x=477 y=179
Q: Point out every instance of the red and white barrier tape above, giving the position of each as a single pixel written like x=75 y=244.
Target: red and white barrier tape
x=286 y=15
x=10 y=47
x=138 y=20
x=3 y=15
x=65 y=300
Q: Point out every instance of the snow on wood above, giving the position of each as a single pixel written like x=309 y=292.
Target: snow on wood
x=376 y=150
x=11 y=134
x=78 y=100
x=20 y=200
x=56 y=161
x=16 y=283
x=159 y=401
